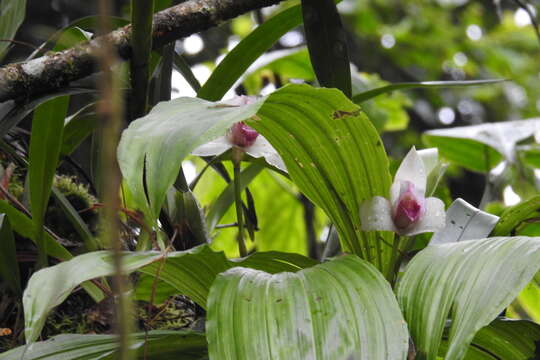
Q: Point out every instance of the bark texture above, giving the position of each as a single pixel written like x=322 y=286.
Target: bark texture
x=54 y=71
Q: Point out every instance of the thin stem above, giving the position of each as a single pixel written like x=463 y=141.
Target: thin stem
x=392 y=275
x=110 y=110
x=237 y=155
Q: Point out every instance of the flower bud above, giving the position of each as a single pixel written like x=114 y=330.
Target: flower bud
x=242 y=135
x=410 y=206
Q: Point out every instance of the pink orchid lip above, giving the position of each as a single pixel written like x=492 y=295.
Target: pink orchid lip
x=410 y=206
x=242 y=135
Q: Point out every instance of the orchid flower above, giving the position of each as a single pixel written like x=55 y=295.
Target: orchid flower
x=408 y=211
x=243 y=137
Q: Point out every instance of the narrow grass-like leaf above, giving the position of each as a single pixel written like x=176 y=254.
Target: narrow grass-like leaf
x=141 y=45
x=327 y=44
x=154 y=345
x=11 y=17
x=342 y=309
x=45 y=144
x=247 y=51
x=226 y=198
x=470 y=282
x=189 y=272
x=75 y=219
x=9 y=268
x=366 y=95
x=513 y=216
x=77 y=128
x=181 y=65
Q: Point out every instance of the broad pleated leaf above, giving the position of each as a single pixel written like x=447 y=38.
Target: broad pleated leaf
x=470 y=282
x=189 y=272
x=481 y=147
x=160 y=345
x=342 y=309
x=327 y=43
x=334 y=155
x=164 y=137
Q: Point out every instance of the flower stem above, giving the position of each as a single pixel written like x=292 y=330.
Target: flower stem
x=237 y=158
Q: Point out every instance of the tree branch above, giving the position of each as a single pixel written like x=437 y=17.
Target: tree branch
x=51 y=72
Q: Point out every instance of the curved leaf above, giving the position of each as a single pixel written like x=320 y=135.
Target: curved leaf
x=189 y=272
x=481 y=147
x=247 y=51
x=504 y=339
x=164 y=137
x=471 y=282
x=369 y=94
x=160 y=345
x=334 y=155
x=513 y=216
x=342 y=309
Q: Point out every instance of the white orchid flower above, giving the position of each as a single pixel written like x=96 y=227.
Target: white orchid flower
x=243 y=137
x=407 y=212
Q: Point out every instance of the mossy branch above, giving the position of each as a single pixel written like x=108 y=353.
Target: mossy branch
x=54 y=71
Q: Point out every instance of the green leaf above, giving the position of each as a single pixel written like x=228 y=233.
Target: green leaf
x=158 y=345
x=226 y=198
x=182 y=66
x=45 y=143
x=336 y=158
x=327 y=44
x=12 y=15
x=50 y=286
x=189 y=272
x=22 y=225
x=70 y=37
x=166 y=136
x=513 y=216
x=342 y=309
x=247 y=51
x=9 y=267
x=366 y=95
x=481 y=147
x=141 y=44
x=470 y=282
x=77 y=128
x=72 y=215
x=504 y=339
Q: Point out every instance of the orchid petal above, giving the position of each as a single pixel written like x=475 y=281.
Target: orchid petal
x=434 y=219
x=430 y=158
x=262 y=148
x=376 y=214
x=212 y=148
x=412 y=169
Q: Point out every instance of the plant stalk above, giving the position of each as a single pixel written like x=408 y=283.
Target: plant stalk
x=237 y=155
